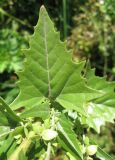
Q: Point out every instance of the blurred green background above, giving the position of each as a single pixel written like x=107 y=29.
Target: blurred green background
x=87 y=25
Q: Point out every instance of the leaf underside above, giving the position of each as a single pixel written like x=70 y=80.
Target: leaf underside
x=49 y=73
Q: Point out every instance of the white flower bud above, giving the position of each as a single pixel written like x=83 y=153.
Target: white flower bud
x=91 y=150
x=49 y=134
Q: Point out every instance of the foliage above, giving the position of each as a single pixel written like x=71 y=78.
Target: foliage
x=11 y=58
x=57 y=99
x=94 y=34
x=110 y=7
x=106 y=135
x=11 y=44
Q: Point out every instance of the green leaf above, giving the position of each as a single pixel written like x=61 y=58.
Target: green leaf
x=102 y=109
x=3 y=119
x=103 y=155
x=68 y=139
x=98 y=83
x=4 y=130
x=41 y=111
x=22 y=156
x=75 y=93
x=6 y=144
x=49 y=71
x=12 y=148
x=107 y=100
x=99 y=114
x=11 y=114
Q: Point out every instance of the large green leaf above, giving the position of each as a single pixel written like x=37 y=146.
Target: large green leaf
x=49 y=74
x=49 y=71
x=67 y=137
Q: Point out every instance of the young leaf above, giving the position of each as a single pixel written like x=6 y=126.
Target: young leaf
x=67 y=138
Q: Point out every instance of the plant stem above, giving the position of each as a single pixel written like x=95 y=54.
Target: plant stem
x=65 y=18
x=105 y=66
x=15 y=18
x=48 y=151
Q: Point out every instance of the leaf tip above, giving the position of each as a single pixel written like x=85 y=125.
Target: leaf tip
x=42 y=9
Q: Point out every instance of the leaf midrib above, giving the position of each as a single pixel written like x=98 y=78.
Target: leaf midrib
x=46 y=53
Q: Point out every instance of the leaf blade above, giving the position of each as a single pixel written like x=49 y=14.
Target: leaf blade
x=41 y=111
x=68 y=138
x=11 y=114
x=46 y=64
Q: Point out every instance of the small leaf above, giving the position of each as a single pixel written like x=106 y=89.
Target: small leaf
x=11 y=114
x=6 y=144
x=37 y=128
x=68 y=138
x=5 y=130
